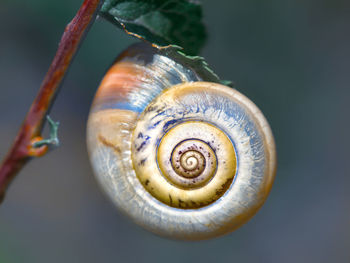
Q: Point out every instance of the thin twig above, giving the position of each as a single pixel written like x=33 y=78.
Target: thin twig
x=23 y=147
x=53 y=140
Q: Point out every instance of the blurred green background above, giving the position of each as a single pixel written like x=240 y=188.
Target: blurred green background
x=291 y=57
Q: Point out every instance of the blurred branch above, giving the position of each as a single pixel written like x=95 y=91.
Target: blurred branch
x=28 y=142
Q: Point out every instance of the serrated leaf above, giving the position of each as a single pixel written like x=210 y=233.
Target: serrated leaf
x=161 y=22
x=196 y=63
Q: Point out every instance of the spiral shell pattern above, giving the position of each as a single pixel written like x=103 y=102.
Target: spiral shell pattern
x=182 y=157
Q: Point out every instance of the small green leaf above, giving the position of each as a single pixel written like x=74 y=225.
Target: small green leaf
x=196 y=63
x=161 y=22
x=227 y=83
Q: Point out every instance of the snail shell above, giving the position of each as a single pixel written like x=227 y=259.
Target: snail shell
x=184 y=158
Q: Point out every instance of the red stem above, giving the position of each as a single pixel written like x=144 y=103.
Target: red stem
x=22 y=149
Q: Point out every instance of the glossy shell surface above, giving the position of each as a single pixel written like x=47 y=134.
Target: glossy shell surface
x=183 y=158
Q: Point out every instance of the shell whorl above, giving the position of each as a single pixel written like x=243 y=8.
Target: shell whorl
x=183 y=158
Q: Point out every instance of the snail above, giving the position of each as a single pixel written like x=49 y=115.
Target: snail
x=184 y=157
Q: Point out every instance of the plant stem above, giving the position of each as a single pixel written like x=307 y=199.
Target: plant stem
x=23 y=148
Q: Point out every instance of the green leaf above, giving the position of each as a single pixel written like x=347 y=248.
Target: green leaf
x=196 y=63
x=161 y=22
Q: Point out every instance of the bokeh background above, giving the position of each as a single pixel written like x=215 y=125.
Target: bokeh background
x=291 y=57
